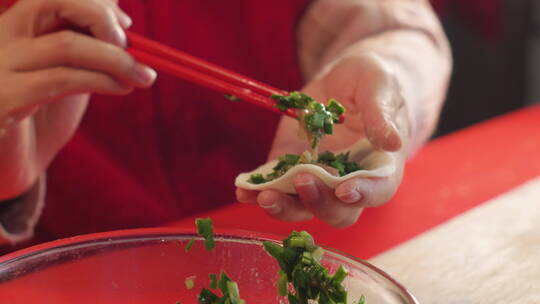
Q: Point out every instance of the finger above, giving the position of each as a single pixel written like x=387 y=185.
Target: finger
x=321 y=201
x=123 y=18
x=246 y=196
x=97 y=16
x=369 y=192
x=372 y=192
x=282 y=206
x=47 y=85
x=380 y=105
x=67 y=48
x=379 y=124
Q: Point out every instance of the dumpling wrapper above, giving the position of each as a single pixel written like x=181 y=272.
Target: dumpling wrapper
x=375 y=163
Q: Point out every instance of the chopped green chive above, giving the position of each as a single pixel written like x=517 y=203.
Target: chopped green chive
x=189 y=283
x=256 y=179
x=222 y=283
x=213 y=281
x=232 y=289
x=299 y=260
x=283 y=284
x=340 y=275
x=335 y=107
x=189 y=245
x=299 y=242
x=229 y=290
x=207 y=297
x=205 y=229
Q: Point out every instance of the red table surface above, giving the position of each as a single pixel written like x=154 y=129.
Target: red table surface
x=447 y=177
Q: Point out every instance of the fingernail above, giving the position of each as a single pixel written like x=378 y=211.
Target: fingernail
x=350 y=197
x=144 y=75
x=124 y=19
x=245 y=199
x=306 y=188
x=270 y=207
x=393 y=139
x=304 y=180
x=119 y=37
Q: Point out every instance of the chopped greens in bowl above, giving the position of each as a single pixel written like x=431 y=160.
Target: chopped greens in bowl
x=151 y=265
x=301 y=278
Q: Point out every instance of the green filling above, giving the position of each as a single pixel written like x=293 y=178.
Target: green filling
x=317 y=120
x=339 y=162
x=302 y=277
x=227 y=287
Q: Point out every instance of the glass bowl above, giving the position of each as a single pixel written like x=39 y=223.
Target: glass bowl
x=151 y=266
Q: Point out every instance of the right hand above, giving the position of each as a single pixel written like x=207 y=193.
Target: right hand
x=46 y=75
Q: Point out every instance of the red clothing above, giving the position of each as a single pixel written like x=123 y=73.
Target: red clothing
x=173 y=150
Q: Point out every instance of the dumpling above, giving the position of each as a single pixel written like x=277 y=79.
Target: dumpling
x=374 y=163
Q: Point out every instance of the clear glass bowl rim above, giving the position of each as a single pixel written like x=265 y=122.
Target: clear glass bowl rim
x=165 y=232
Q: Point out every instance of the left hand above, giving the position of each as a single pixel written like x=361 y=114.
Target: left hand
x=367 y=88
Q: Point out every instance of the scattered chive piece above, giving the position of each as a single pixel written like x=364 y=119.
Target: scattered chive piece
x=213 y=281
x=189 y=245
x=222 y=282
x=283 y=284
x=299 y=242
x=232 y=288
x=340 y=274
x=207 y=297
x=228 y=288
x=205 y=228
x=335 y=107
x=189 y=283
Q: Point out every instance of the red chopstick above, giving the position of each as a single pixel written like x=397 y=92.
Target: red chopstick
x=166 y=59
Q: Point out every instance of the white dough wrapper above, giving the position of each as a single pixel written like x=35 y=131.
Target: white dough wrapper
x=375 y=163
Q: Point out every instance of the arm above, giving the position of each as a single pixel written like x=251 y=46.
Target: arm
x=388 y=62
x=47 y=74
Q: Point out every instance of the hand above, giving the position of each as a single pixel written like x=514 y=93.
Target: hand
x=47 y=73
x=376 y=110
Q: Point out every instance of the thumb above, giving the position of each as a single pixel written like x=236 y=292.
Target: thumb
x=384 y=115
